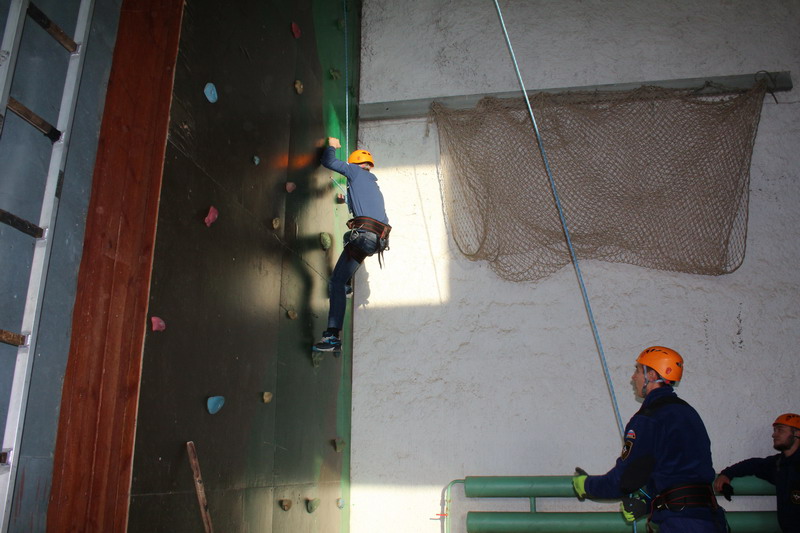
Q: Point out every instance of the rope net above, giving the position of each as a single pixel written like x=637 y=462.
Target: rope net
x=652 y=177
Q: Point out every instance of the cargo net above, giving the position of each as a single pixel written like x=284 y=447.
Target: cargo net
x=652 y=177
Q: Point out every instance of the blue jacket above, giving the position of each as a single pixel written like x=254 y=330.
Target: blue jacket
x=364 y=197
x=784 y=473
x=664 y=447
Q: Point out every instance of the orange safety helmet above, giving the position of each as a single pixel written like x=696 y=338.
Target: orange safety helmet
x=666 y=361
x=361 y=156
x=788 y=419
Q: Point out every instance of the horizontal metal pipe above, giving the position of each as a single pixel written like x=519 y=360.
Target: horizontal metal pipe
x=483 y=522
x=518 y=486
x=561 y=486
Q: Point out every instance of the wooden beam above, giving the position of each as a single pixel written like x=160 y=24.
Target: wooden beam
x=92 y=466
x=417 y=108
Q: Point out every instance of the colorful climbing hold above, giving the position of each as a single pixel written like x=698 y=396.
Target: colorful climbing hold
x=338 y=444
x=266 y=397
x=335 y=74
x=325 y=240
x=212 y=216
x=256 y=160
x=285 y=504
x=214 y=404
x=296 y=30
x=290 y=186
x=312 y=505
x=210 y=90
x=157 y=323
x=298 y=86
x=276 y=223
x=292 y=314
x=340 y=199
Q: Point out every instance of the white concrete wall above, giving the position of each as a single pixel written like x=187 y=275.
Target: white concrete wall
x=457 y=372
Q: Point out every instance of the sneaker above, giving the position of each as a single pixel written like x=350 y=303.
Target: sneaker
x=328 y=344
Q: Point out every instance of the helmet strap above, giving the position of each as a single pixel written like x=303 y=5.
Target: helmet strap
x=647 y=381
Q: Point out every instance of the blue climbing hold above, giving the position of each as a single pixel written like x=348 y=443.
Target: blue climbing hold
x=210 y=91
x=215 y=403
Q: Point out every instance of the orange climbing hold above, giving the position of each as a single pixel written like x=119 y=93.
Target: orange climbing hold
x=296 y=30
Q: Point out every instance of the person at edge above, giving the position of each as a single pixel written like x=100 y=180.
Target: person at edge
x=368 y=233
x=665 y=468
x=781 y=469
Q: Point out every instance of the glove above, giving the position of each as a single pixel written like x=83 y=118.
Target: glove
x=727 y=491
x=578 y=483
x=633 y=507
x=627 y=515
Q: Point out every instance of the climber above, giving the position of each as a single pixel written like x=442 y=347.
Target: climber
x=665 y=467
x=368 y=233
x=781 y=469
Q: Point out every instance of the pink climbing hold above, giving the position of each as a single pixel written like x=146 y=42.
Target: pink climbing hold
x=211 y=216
x=290 y=186
x=157 y=323
x=296 y=30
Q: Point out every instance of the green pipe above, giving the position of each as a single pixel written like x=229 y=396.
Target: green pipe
x=561 y=486
x=483 y=522
x=518 y=486
x=447 y=500
x=752 y=486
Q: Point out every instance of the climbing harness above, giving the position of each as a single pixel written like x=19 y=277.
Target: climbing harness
x=563 y=225
x=373 y=226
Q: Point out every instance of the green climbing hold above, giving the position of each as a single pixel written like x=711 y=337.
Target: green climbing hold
x=326 y=240
x=312 y=505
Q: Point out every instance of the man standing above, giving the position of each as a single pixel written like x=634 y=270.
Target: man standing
x=665 y=467
x=368 y=235
x=782 y=470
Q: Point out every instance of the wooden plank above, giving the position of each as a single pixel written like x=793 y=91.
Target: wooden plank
x=419 y=107
x=199 y=488
x=20 y=224
x=94 y=448
x=33 y=119
x=9 y=337
x=38 y=16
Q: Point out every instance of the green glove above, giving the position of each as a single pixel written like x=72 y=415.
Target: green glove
x=578 y=483
x=627 y=515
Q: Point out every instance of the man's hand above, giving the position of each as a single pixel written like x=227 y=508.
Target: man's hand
x=723 y=485
x=333 y=141
x=627 y=515
x=720 y=481
x=578 y=483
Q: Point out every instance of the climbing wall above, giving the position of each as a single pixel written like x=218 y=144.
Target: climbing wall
x=239 y=282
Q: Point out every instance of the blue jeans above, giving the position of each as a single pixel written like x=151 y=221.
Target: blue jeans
x=357 y=245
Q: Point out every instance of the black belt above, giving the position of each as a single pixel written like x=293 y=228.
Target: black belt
x=677 y=498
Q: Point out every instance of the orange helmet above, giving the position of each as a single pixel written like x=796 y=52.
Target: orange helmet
x=788 y=419
x=666 y=361
x=361 y=156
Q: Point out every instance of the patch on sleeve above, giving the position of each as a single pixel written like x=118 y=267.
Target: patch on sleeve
x=626 y=449
x=631 y=434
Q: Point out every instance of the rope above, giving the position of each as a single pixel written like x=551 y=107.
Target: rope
x=346 y=85
x=564 y=226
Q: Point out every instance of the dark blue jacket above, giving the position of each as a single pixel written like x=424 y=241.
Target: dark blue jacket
x=784 y=473
x=664 y=447
x=364 y=197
